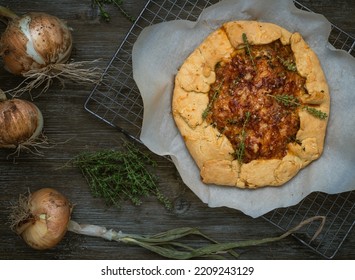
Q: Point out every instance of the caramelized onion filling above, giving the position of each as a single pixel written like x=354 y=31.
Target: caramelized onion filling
x=243 y=104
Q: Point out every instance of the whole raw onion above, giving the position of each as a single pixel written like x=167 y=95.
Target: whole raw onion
x=20 y=122
x=33 y=41
x=42 y=218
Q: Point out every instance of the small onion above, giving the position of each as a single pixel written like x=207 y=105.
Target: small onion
x=42 y=218
x=20 y=122
x=33 y=41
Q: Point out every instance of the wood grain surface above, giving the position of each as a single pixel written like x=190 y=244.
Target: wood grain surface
x=71 y=129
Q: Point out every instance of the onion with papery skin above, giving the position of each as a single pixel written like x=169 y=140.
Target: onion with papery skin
x=33 y=41
x=41 y=219
x=38 y=46
x=21 y=122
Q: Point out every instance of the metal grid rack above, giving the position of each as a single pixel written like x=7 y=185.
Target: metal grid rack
x=117 y=101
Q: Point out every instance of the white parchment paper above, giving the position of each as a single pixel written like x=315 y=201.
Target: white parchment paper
x=161 y=49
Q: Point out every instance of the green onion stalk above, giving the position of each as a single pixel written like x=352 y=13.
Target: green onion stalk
x=43 y=217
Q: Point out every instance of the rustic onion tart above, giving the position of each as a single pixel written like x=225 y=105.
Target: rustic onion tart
x=252 y=104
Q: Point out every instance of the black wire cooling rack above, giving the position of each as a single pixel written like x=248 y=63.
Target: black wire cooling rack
x=117 y=101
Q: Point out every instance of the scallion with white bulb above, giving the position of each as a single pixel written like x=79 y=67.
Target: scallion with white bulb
x=42 y=219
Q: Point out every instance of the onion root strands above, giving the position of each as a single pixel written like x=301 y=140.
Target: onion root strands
x=79 y=72
x=45 y=214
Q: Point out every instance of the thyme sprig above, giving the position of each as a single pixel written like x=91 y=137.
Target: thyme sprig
x=211 y=101
x=240 y=152
x=117 y=175
x=286 y=100
x=292 y=101
x=288 y=64
x=248 y=50
x=316 y=113
x=118 y=3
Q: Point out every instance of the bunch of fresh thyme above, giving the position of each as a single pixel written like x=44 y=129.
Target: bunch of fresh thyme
x=117 y=175
x=118 y=3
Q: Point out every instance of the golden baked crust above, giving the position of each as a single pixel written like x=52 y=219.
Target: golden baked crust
x=224 y=160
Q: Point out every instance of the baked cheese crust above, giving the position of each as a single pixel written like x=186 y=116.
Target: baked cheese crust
x=252 y=105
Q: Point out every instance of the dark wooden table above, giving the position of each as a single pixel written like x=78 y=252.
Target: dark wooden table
x=73 y=130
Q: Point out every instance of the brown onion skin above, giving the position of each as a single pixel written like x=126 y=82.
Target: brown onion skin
x=20 y=121
x=51 y=39
x=45 y=233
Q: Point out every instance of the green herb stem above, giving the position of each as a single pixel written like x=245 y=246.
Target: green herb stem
x=6 y=15
x=211 y=101
x=316 y=113
x=246 y=43
x=288 y=64
x=240 y=152
x=286 y=100
x=118 y=3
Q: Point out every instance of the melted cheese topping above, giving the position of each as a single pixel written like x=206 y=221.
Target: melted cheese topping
x=242 y=103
